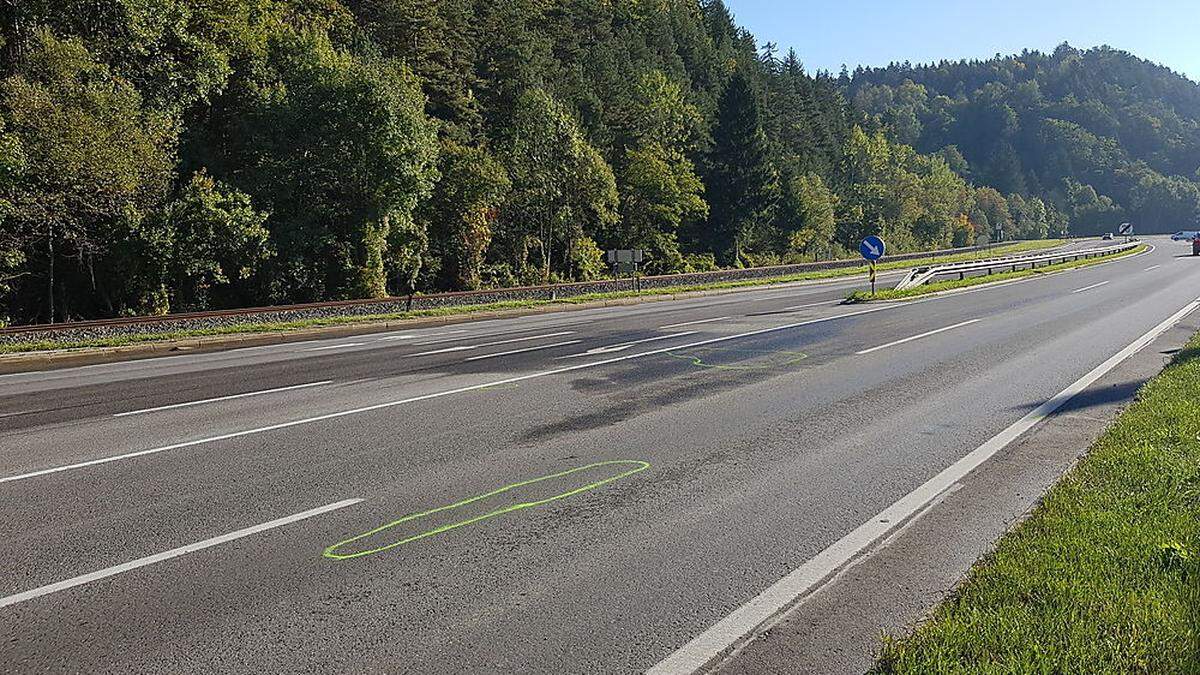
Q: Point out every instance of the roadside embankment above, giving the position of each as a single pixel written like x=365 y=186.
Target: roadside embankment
x=1104 y=576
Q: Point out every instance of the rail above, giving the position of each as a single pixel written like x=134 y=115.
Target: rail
x=924 y=275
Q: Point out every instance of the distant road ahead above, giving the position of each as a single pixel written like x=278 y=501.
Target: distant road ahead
x=222 y=511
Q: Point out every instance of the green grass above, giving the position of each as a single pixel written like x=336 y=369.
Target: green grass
x=1104 y=577
x=253 y=327
x=893 y=294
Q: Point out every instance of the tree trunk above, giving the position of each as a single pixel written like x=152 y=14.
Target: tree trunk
x=15 y=32
x=50 y=286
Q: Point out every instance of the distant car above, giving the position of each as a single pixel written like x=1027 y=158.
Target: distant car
x=1185 y=235
x=1107 y=236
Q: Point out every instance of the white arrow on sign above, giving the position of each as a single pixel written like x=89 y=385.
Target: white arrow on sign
x=872 y=249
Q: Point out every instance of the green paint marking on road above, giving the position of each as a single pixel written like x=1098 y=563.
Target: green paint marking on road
x=332 y=551
x=698 y=361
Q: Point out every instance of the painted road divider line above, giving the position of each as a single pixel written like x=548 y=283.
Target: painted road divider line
x=692 y=323
x=610 y=349
x=341 y=346
x=231 y=397
x=459 y=337
x=435 y=395
x=522 y=351
x=1152 y=268
x=464 y=348
x=173 y=553
x=1088 y=288
x=412 y=336
x=732 y=633
x=918 y=337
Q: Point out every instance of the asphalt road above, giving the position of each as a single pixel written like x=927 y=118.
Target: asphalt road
x=615 y=481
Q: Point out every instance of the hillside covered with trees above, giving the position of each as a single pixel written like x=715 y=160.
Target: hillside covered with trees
x=192 y=154
x=1098 y=135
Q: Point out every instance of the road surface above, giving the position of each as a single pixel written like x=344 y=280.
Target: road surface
x=605 y=490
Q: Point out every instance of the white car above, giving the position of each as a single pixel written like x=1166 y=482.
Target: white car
x=1185 y=235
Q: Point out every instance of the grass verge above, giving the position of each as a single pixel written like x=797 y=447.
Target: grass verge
x=1104 y=577
x=893 y=294
x=255 y=327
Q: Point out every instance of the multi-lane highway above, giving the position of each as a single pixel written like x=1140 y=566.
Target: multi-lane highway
x=604 y=490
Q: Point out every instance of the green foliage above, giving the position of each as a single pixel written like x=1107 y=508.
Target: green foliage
x=659 y=192
x=743 y=182
x=185 y=155
x=1098 y=135
x=462 y=212
x=562 y=189
x=94 y=161
x=807 y=215
x=175 y=52
x=339 y=150
x=214 y=240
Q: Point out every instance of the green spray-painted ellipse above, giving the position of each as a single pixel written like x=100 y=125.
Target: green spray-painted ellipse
x=331 y=552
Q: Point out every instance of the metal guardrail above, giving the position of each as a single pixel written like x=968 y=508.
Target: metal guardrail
x=924 y=275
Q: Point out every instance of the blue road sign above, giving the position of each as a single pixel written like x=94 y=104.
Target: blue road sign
x=871 y=248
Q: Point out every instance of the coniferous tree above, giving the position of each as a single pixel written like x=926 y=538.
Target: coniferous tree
x=743 y=183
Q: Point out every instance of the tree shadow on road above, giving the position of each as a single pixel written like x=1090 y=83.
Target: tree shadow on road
x=1120 y=392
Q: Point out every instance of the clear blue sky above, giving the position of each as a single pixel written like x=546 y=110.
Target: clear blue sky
x=875 y=32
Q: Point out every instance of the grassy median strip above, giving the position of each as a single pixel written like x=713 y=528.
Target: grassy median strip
x=1104 y=577
x=893 y=294
x=256 y=327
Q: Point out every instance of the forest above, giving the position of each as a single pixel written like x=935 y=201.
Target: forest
x=176 y=155
x=1099 y=134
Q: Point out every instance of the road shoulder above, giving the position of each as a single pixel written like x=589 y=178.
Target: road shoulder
x=840 y=626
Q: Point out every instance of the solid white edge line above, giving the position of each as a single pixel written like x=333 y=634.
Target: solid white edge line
x=522 y=351
x=1088 y=288
x=173 y=553
x=692 y=323
x=917 y=337
x=744 y=621
x=222 y=398
x=426 y=397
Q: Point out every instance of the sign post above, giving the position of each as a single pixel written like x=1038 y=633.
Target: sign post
x=872 y=249
x=625 y=261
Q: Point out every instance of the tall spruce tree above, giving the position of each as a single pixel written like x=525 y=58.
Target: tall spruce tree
x=742 y=181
